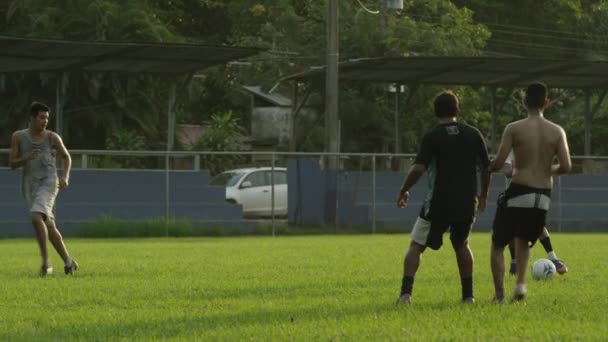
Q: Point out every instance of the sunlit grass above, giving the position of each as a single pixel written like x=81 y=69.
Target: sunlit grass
x=290 y=288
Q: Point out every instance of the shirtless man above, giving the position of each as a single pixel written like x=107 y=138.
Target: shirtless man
x=33 y=149
x=544 y=238
x=535 y=142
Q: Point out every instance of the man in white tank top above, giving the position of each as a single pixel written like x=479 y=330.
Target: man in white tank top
x=33 y=150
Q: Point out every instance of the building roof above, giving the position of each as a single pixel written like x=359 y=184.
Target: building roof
x=18 y=54
x=274 y=98
x=475 y=71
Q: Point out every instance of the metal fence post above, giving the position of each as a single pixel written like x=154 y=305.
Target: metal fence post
x=84 y=161
x=197 y=162
x=167 y=194
x=374 y=194
x=272 y=162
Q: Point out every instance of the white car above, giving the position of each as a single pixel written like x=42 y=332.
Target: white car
x=251 y=188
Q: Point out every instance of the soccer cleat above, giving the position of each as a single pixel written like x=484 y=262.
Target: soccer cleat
x=560 y=267
x=519 y=295
x=468 y=300
x=405 y=299
x=46 y=270
x=495 y=300
x=513 y=269
x=69 y=269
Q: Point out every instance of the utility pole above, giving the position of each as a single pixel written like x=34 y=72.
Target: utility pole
x=332 y=143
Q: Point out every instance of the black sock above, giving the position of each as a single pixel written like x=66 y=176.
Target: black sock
x=546 y=242
x=512 y=252
x=406 y=285
x=467 y=287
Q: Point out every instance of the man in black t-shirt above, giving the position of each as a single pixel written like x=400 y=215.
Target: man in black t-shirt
x=451 y=153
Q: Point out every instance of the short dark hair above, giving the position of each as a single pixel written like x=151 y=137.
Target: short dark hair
x=536 y=94
x=37 y=107
x=446 y=104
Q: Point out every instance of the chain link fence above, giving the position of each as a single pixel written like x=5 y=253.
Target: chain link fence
x=215 y=193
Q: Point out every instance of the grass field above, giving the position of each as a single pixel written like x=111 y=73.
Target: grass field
x=290 y=288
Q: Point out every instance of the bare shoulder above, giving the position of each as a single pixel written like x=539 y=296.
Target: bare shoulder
x=554 y=127
x=515 y=125
x=18 y=132
x=54 y=136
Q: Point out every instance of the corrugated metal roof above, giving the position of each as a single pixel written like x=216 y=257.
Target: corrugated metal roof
x=19 y=54
x=475 y=71
x=274 y=98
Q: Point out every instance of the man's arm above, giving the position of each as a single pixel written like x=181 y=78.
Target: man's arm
x=563 y=156
x=15 y=161
x=15 y=158
x=507 y=167
x=423 y=159
x=413 y=176
x=506 y=145
x=67 y=160
x=485 y=176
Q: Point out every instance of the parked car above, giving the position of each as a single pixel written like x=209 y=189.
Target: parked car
x=251 y=188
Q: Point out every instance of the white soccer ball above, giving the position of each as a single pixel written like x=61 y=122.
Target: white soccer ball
x=543 y=269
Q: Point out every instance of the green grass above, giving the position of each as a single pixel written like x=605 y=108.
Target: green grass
x=290 y=288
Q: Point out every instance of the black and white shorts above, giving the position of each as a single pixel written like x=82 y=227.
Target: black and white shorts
x=429 y=233
x=521 y=212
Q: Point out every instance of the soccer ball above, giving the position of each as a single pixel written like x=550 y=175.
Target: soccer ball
x=543 y=269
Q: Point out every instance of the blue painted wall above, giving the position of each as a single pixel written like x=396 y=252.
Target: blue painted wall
x=316 y=198
x=580 y=205
x=129 y=195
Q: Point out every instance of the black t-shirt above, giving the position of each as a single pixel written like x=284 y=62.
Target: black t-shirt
x=452 y=153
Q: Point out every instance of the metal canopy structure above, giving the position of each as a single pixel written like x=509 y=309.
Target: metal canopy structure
x=493 y=72
x=26 y=55
x=19 y=55
x=474 y=71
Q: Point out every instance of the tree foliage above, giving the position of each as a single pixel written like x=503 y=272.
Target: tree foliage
x=222 y=133
x=293 y=31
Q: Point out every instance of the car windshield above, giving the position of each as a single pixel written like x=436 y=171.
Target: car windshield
x=228 y=178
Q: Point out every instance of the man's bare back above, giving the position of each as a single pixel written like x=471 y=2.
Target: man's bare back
x=536 y=141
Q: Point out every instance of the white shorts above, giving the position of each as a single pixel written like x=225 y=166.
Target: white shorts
x=40 y=195
x=420 y=232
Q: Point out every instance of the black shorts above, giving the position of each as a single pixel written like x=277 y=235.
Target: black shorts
x=430 y=233
x=521 y=212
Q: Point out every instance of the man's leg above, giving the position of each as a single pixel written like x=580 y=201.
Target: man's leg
x=522 y=254
x=57 y=241
x=497 y=263
x=464 y=257
x=545 y=240
x=513 y=265
x=42 y=237
x=459 y=236
x=410 y=267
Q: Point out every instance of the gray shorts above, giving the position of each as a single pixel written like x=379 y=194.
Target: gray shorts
x=40 y=195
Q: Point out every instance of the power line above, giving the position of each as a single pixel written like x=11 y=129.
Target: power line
x=367 y=9
x=546 y=47
x=540 y=35
x=518 y=27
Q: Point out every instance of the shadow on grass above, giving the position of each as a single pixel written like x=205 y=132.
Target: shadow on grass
x=199 y=322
